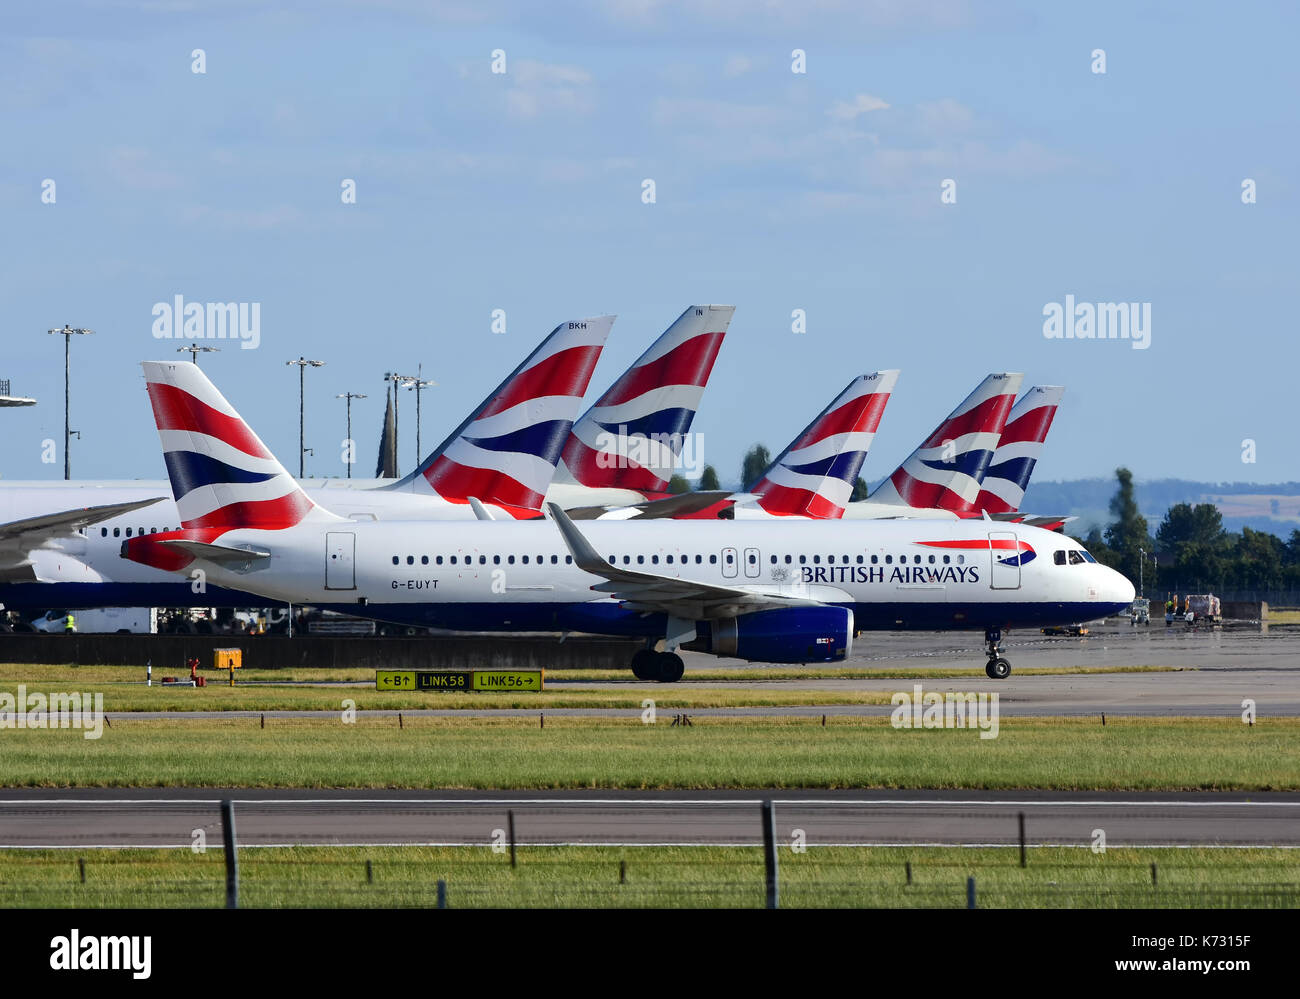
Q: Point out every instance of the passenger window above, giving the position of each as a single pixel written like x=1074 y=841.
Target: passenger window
x=525 y=560
x=396 y=560
x=803 y=559
x=640 y=560
x=817 y=560
x=496 y=559
x=453 y=560
x=627 y=559
x=713 y=560
x=424 y=560
x=788 y=560
x=859 y=560
x=555 y=559
x=889 y=560
x=947 y=559
x=669 y=560
x=103 y=532
x=568 y=559
x=753 y=560
x=511 y=559
x=410 y=560
x=128 y=532
x=438 y=560
x=654 y=559
x=730 y=559
x=774 y=560
x=916 y=559
x=1058 y=557
x=482 y=560
x=699 y=559
x=611 y=560
x=875 y=559
x=932 y=560
x=961 y=559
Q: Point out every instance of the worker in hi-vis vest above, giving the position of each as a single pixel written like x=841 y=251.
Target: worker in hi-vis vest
x=70 y=624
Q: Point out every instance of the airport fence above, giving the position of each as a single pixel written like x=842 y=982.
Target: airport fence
x=730 y=853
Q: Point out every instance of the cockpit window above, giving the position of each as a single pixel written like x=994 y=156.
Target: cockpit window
x=1059 y=557
x=1076 y=557
x=1087 y=555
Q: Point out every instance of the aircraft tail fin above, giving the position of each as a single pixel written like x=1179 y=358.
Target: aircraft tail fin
x=221 y=473
x=1018 y=450
x=815 y=475
x=945 y=472
x=634 y=434
x=506 y=450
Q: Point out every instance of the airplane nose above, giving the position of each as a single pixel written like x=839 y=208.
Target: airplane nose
x=1118 y=588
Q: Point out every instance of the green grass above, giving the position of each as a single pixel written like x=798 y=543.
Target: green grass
x=511 y=752
x=655 y=876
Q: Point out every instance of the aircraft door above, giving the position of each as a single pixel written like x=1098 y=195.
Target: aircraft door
x=1004 y=555
x=729 y=563
x=753 y=562
x=340 y=560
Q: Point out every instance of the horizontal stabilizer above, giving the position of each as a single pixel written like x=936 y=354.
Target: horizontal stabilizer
x=219 y=554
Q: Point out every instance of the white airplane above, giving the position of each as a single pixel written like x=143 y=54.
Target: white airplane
x=769 y=591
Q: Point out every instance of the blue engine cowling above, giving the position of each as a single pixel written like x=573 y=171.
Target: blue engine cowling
x=797 y=635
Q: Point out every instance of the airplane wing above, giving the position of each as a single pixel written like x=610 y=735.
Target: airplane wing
x=19 y=537
x=681 y=598
x=673 y=506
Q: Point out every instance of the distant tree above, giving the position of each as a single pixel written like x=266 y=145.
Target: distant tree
x=1258 y=560
x=709 y=479
x=1183 y=523
x=678 y=484
x=859 y=490
x=757 y=458
x=1193 y=536
x=1127 y=535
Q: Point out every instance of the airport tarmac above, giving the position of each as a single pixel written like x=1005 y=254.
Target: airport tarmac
x=94 y=818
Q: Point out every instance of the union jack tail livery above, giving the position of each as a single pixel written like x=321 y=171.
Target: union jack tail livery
x=223 y=477
x=505 y=451
x=815 y=475
x=1003 y=488
x=632 y=437
x=945 y=472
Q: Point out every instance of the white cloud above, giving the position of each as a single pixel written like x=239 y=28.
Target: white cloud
x=540 y=88
x=737 y=65
x=862 y=104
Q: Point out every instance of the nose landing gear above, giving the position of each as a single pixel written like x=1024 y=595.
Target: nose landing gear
x=997 y=668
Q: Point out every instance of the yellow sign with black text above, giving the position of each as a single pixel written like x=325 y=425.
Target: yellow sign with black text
x=477 y=679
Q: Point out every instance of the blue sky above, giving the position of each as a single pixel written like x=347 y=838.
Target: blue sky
x=775 y=191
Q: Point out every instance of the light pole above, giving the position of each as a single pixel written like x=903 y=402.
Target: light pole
x=418 y=383
x=1142 y=563
x=302 y=364
x=67 y=332
x=195 y=350
x=349 y=396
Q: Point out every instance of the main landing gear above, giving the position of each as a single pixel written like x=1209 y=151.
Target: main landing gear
x=997 y=668
x=665 y=667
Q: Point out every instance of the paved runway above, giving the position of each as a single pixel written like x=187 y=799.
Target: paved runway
x=168 y=818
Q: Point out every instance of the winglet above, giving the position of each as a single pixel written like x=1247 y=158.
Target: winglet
x=583 y=553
